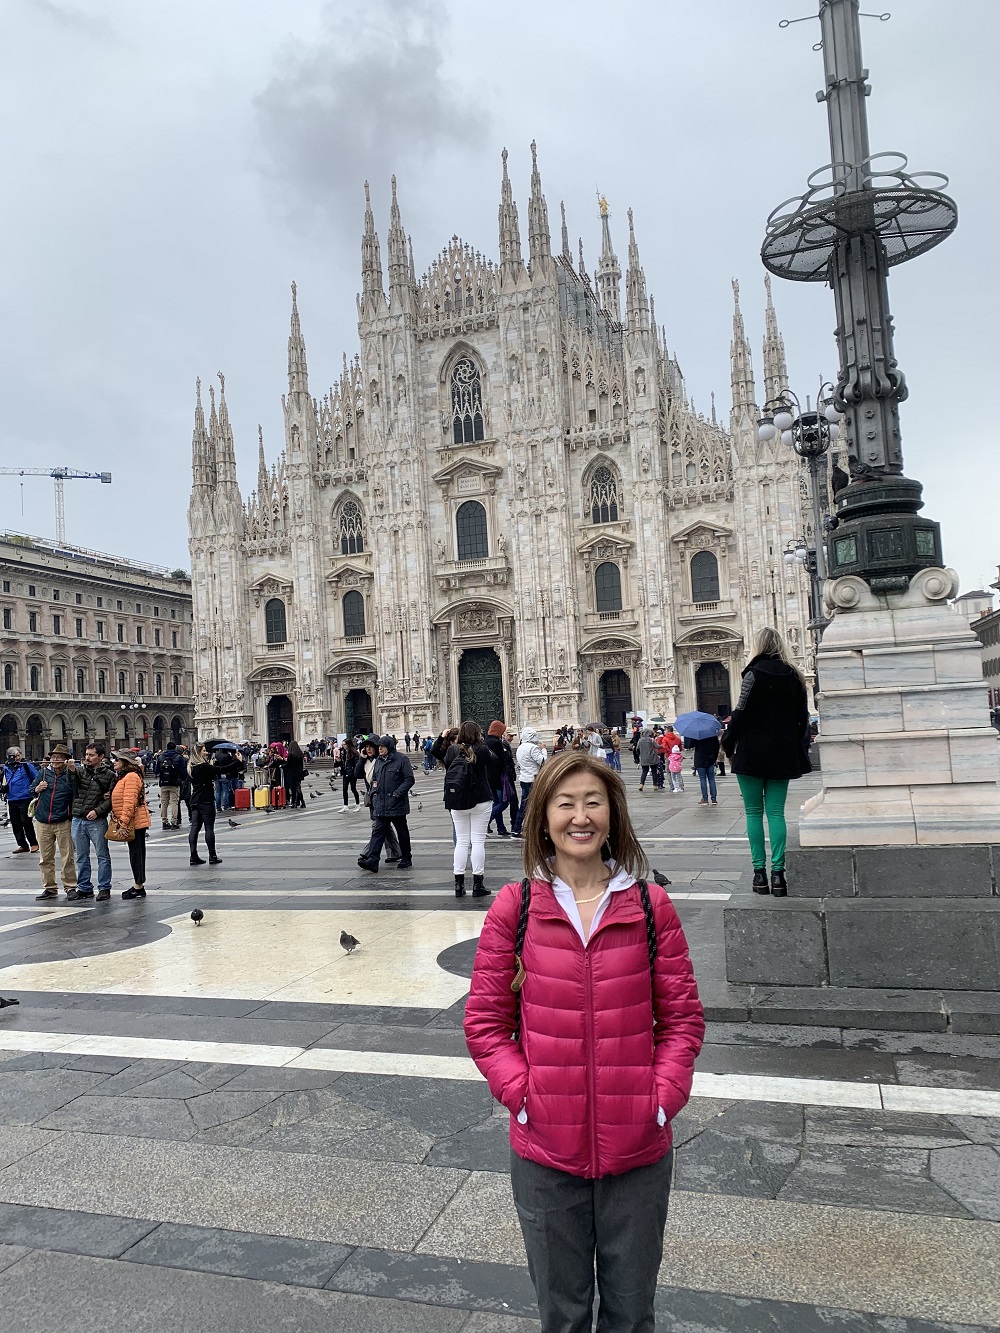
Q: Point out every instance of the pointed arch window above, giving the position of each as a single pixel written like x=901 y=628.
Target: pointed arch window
x=466 y=402
x=604 y=496
x=704 y=577
x=608 y=587
x=354 y=615
x=471 y=531
x=352 y=528
x=275 y=625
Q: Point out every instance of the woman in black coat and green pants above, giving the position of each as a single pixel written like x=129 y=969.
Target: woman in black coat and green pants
x=768 y=743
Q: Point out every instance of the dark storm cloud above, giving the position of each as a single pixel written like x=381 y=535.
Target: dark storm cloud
x=370 y=95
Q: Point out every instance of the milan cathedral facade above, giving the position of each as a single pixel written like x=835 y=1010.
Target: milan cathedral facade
x=506 y=507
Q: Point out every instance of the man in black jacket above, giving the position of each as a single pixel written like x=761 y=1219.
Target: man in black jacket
x=54 y=824
x=391 y=780
x=92 y=782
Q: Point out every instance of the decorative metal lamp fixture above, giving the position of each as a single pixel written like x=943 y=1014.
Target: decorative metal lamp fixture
x=862 y=214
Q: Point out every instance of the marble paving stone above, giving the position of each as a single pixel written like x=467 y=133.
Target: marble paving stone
x=787 y=1035
x=134 y=1075
x=306 y=1263
x=240 y=1189
x=433 y=1280
x=177 y=1084
x=891 y=1179
x=11 y=1254
x=98 y=1064
x=941 y=1101
x=55 y=1291
x=698 y=1114
x=864 y=1129
x=28 y=1095
x=808 y=1062
x=720 y=1163
x=385 y=1142
x=437 y=1107
x=139 y=1117
x=972 y=1176
x=774 y=1121
x=953 y=1071
x=105 y=1237
x=17 y=1141
x=406 y=1040
x=482 y=1147
x=281 y=1080
x=978 y=1129
x=499 y=1323
x=916 y=1043
x=680 y=1311
x=334 y=1014
x=896 y=1264
x=224 y=1106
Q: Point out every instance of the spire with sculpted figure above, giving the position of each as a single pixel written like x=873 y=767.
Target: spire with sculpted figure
x=511 y=263
x=636 y=301
x=202 y=456
x=539 y=238
x=225 y=451
x=398 y=258
x=775 y=366
x=744 y=389
x=298 y=373
x=372 y=295
x=608 y=272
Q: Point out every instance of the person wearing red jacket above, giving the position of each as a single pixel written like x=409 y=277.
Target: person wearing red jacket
x=585 y=1020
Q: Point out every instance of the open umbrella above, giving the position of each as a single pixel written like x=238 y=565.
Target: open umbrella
x=220 y=745
x=660 y=719
x=697 y=726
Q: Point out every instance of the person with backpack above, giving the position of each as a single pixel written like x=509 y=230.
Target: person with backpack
x=17 y=778
x=170 y=770
x=468 y=796
x=584 y=1018
x=392 y=778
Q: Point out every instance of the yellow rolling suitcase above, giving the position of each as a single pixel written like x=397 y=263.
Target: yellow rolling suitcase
x=261 y=798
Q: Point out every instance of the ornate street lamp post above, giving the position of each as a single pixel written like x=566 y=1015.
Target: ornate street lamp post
x=861 y=215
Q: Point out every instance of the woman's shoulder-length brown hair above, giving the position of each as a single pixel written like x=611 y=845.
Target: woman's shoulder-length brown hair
x=622 y=847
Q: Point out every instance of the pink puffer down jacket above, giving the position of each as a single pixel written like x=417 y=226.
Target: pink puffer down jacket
x=591 y=1069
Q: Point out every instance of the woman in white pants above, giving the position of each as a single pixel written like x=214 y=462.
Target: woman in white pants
x=468 y=794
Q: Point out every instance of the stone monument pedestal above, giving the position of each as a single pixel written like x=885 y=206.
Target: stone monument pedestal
x=895 y=886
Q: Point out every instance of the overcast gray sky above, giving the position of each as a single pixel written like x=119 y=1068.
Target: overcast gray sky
x=169 y=169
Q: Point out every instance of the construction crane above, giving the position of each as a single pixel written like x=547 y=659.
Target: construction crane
x=58 y=475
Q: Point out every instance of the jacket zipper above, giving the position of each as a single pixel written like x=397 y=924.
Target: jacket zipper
x=591 y=1072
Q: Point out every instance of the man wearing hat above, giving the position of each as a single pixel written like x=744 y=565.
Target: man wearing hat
x=54 y=824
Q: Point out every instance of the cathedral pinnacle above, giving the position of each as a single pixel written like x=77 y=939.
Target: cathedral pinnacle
x=566 y=252
x=372 y=294
x=775 y=366
x=539 y=238
x=744 y=389
x=225 y=451
x=261 y=463
x=511 y=263
x=636 y=302
x=202 y=458
x=399 y=267
x=608 y=272
x=298 y=374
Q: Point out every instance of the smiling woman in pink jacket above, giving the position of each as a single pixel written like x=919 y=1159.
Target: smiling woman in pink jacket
x=585 y=1020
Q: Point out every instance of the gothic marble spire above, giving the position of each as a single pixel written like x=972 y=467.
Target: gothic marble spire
x=608 y=272
x=261 y=464
x=202 y=458
x=566 y=251
x=539 y=237
x=636 y=302
x=511 y=263
x=583 y=267
x=372 y=295
x=775 y=366
x=398 y=261
x=298 y=374
x=225 y=451
x=744 y=390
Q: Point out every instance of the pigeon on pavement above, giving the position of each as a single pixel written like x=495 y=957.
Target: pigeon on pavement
x=420 y=805
x=661 y=878
x=197 y=916
x=233 y=824
x=348 y=942
x=5 y=1004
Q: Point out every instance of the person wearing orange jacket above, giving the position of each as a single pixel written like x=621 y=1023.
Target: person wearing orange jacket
x=128 y=804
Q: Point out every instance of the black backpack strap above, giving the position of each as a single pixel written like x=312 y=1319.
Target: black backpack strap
x=520 y=974
x=647 y=908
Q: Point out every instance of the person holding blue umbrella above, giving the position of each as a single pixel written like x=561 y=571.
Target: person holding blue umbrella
x=701 y=734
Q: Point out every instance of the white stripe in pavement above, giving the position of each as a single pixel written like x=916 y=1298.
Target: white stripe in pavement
x=731 y=1087
x=197 y=889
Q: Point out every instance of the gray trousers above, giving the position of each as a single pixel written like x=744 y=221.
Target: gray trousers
x=570 y=1224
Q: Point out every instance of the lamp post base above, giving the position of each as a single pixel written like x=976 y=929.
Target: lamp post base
x=879 y=535
x=909 y=755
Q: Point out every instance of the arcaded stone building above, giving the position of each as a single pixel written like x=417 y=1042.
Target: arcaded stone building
x=505 y=506
x=83 y=634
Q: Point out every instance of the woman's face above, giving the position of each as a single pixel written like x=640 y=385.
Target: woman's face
x=578 y=817
x=119 y=767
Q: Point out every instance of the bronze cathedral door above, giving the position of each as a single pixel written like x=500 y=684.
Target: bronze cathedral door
x=480 y=687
